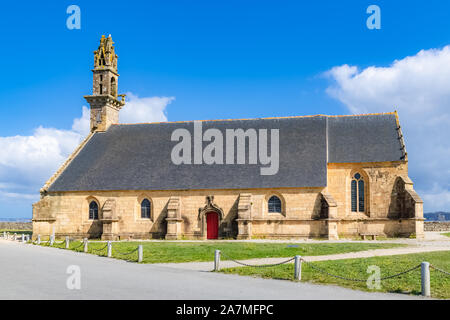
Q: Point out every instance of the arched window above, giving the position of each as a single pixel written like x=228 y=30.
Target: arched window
x=93 y=210
x=145 y=209
x=113 y=87
x=274 y=204
x=102 y=60
x=358 y=197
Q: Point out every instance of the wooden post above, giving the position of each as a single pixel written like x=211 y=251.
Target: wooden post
x=85 y=241
x=67 y=242
x=425 y=277
x=39 y=239
x=140 y=253
x=217 y=260
x=298 y=268
x=109 y=249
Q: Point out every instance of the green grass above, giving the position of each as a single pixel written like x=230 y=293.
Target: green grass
x=446 y=234
x=165 y=252
x=356 y=268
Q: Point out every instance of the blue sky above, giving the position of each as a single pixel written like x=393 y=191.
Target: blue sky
x=219 y=59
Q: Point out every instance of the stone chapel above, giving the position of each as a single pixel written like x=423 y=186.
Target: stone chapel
x=328 y=176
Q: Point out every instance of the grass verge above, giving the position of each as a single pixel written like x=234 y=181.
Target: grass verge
x=357 y=268
x=167 y=252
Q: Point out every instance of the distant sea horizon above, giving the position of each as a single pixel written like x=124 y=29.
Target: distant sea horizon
x=15 y=219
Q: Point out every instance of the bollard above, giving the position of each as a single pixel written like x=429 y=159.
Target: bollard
x=52 y=239
x=28 y=237
x=216 y=260
x=298 y=268
x=23 y=238
x=15 y=236
x=140 y=253
x=109 y=249
x=4 y=234
x=67 y=242
x=425 y=276
x=85 y=241
x=39 y=239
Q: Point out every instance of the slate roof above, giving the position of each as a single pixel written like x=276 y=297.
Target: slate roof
x=365 y=138
x=138 y=156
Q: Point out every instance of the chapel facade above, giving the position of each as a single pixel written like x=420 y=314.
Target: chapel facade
x=293 y=177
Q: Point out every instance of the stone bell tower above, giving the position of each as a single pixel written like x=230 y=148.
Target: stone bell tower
x=104 y=101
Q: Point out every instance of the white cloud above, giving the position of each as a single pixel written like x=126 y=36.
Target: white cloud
x=138 y=110
x=419 y=88
x=82 y=125
x=26 y=162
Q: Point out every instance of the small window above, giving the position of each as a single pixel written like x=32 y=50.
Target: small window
x=145 y=209
x=357 y=193
x=274 y=204
x=113 y=87
x=93 y=211
x=102 y=60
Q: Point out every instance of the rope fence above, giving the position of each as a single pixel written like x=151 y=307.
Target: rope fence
x=309 y=264
x=77 y=247
x=85 y=243
x=125 y=253
x=23 y=237
x=59 y=243
x=101 y=249
x=298 y=260
x=440 y=270
x=257 y=266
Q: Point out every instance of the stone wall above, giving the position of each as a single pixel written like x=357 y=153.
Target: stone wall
x=437 y=226
x=306 y=212
x=379 y=181
x=382 y=213
x=71 y=211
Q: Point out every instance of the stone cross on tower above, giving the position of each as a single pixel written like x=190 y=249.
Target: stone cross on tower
x=104 y=101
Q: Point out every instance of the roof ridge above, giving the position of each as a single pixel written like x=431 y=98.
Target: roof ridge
x=268 y=118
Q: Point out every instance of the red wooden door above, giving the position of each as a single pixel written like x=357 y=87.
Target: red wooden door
x=212 y=225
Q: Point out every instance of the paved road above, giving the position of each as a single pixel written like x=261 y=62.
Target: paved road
x=32 y=272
